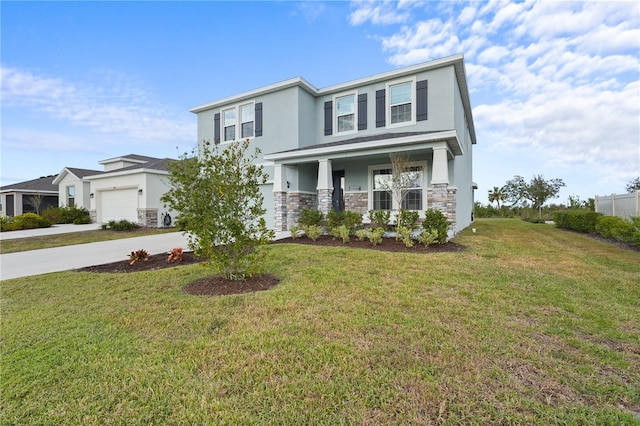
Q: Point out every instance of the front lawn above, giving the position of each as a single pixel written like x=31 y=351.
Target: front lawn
x=529 y=325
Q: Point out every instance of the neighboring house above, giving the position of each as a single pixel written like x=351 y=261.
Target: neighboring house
x=329 y=148
x=30 y=196
x=73 y=188
x=130 y=188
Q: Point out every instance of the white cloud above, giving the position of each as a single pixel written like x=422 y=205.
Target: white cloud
x=379 y=12
x=116 y=107
x=560 y=78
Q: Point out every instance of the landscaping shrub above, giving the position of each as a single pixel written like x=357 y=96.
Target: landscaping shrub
x=436 y=221
x=352 y=220
x=361 y=234
x=404 y=233
x=379 y=218
x=341 y=232
x=138 y=256
x=617 y=228
x=333 y=219
x=30 y=221
x=310 y=217
x=6 y=224
x=176 y=255
x=121 y=225
x=66 y=215
x=375 y=236
x=534 y=219
x=313 y=231
x=577 y=220
x=407 y=219
x=295 y=232
x=428 y=237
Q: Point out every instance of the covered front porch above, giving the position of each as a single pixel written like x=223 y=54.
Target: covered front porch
x=342 y=175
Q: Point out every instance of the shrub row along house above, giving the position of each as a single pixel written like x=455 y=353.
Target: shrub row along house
x=129 y=187
x=330 y=148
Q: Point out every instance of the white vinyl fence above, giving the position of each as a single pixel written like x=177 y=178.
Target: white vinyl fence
x=622 y=205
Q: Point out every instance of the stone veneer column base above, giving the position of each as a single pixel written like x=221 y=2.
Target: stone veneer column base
x=280 y=217
x=324 y=200
x=93 y=215
x=148 y=218
x=296 y=201
x=443 y=198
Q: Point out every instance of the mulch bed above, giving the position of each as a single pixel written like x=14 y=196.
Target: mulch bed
x=218 y=286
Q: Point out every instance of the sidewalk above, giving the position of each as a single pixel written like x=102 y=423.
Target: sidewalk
x=36 y=262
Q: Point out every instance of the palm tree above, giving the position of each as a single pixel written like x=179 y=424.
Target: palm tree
x=497 y=194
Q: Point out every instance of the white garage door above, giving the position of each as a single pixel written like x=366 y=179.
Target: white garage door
x=119 y=204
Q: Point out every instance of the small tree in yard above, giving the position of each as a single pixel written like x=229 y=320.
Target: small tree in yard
x=217 y=195
x=538 y=191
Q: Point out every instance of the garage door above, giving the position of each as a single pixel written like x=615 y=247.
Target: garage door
x=119 y=204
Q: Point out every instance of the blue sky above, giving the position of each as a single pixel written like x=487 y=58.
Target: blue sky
x=555 y=86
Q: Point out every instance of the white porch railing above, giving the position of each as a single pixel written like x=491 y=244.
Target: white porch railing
x=621 y=205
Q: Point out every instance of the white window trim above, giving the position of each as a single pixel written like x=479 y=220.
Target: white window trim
x=394 y=203
x=355 y=113
x=237 y=108
x=388 y=103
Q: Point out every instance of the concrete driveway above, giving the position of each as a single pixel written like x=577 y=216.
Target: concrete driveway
x=36 y=262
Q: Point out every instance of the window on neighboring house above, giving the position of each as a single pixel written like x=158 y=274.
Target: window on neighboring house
x=229 y=124
x=247 y=116
x=345 y=113
x=71 y=196
x=381 y=189
x=400 y=100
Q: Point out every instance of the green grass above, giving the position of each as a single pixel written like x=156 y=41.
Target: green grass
x=530 y=325
x=59 y=240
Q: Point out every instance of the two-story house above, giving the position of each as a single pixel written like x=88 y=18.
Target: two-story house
x=330 y=148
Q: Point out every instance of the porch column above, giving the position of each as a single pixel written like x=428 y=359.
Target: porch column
x=440 y=171
x=280 y=197
x=325 y=185
x=441 y=196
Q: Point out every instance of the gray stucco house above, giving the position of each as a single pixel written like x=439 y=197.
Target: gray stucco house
x=329 y=148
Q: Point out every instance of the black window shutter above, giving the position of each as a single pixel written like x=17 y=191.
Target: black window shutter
x=380 y=108
x=216 y=128
x=328 y=118
x=421 y=100
x=258 y=118
x=362 y=111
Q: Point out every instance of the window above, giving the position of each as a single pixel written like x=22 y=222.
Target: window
x=229 y=124
x=382 y=196
x=382 y=189
x=247 y=115
x=71 y=196
x=345 y=113
x=400 y=100
x=413 y=195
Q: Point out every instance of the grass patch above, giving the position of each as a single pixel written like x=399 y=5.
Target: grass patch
x=531 y=325
x=59 y=240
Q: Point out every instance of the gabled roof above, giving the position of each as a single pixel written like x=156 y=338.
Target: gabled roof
x=152 y=165
x=42 y=184
x=78 y=173
x=134 y=158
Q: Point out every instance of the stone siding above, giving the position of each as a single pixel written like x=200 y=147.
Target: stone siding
x=148 y=218
x=324 y=200
x=280 y=217
x=443 y=198
x=357 y=202
x=296 y=201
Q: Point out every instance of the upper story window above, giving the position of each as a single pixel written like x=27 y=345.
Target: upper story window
x=238 y=122
x=346 y=113
x=400 y=102
x=229 y=124
x=247 y=118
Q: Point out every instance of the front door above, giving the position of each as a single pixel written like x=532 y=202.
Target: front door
x=337 y=199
